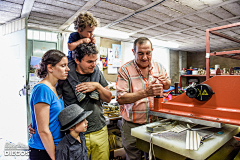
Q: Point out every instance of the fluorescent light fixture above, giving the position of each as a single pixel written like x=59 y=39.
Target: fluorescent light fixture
x=105 y=32
x=110 y=33
x=167 y=44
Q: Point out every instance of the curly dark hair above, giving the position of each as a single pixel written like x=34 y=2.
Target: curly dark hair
x=83 y=20
x=50 y=57
x=140 y=41
x=84 y=49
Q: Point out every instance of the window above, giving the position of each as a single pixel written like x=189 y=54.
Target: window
x=42 y=35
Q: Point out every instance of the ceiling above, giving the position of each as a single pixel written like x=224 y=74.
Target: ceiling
x=181 y=21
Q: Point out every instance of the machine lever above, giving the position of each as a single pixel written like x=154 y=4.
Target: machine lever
x=196 y=129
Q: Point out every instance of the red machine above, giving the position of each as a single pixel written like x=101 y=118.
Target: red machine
x=219 y=102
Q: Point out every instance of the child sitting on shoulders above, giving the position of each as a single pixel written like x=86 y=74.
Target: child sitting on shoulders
x=84 y=24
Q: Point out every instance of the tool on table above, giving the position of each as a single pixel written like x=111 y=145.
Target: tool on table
x=206 y=137
x=163 y=125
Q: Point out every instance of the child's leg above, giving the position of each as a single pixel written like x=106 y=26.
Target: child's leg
x=73 y=80
x=95 y=78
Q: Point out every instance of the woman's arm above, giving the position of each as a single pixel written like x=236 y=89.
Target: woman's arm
x=42 y=118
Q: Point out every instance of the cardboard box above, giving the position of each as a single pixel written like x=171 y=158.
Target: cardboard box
x=119 y=141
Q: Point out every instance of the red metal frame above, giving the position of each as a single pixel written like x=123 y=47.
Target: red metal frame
x=224 y=54
x=223 y=106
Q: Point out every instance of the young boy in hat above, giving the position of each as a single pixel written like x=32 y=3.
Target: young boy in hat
x=73 y=144
x=84 y=24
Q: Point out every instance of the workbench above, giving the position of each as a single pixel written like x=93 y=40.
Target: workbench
x=171 y=145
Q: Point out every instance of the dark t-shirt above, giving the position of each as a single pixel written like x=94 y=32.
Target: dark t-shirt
x=96 y=120
x=72 y=38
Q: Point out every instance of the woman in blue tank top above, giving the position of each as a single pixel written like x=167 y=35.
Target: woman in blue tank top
x=46 y=105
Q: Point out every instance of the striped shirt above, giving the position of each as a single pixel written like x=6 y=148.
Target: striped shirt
x=130 y=79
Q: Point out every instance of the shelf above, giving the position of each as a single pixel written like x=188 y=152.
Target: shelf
x=190 y=75
x=212 y=75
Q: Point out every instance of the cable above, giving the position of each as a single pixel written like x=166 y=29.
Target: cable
x=135 y=14
x=151 y=144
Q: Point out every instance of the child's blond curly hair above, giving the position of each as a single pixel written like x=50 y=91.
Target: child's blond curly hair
x=85 y=19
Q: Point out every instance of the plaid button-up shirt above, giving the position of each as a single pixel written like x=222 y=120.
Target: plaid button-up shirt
x=130 y=79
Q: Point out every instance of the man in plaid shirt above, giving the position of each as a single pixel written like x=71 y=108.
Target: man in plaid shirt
x=138 y=81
